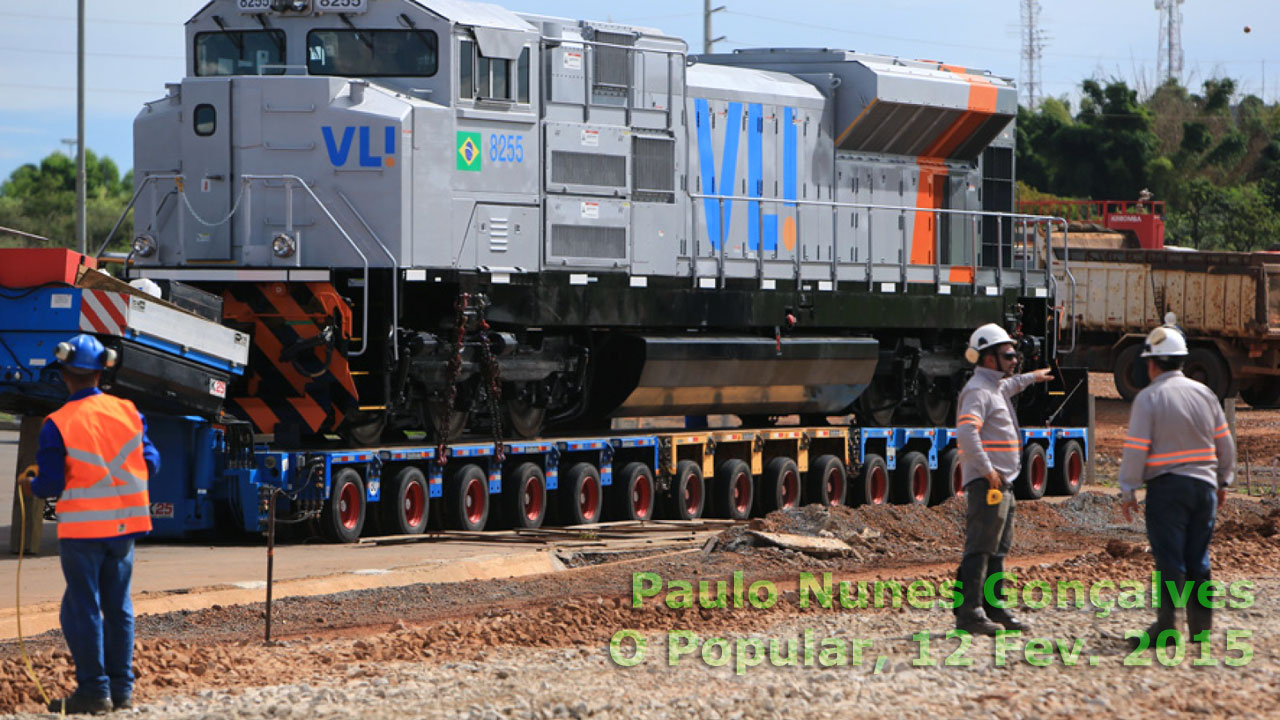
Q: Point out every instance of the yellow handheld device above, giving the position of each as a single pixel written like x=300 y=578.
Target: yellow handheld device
x=994 y=496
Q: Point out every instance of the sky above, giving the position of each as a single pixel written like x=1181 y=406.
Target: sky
x=136 y=46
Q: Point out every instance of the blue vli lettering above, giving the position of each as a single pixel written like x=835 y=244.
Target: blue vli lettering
x=340 y=149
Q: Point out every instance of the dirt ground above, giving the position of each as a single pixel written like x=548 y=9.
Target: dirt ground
x=376 y=634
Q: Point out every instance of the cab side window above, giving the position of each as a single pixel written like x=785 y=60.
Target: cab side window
x=484 y=78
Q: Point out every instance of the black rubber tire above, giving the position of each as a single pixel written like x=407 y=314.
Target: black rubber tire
x=1264 y=394
x=1068 y=470
x=343 y=515
x=734 y=490
x=828 y=481
x=524 y=496
x=912 y=480
x=632 y=494
x=947 y=478
x=1130 y=371
x=580 y=495
x=873 y=482
x=779 y=486
x=405 y=506
x=687 y=497
x=876 y=406
x=1034 y=478
x=466 y=498
x=1207 y=366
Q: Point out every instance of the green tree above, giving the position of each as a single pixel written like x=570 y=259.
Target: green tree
x=41 y=199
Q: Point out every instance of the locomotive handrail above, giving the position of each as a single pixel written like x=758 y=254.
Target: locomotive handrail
x=1048 y=221
x=395 y=285
x=364 y=305
x=248 y=180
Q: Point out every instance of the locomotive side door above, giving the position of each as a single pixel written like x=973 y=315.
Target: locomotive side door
x=206 y=169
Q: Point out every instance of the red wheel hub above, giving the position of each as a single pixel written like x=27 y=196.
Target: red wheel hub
x=692 y=495
x=473 y=501
x=642 y=497
x=413 y=504
x=835 y=486
x=589 y=499
x=920 y=483
x=879 y=485
x=349 y=505
x=790 y=485
x=741 y=492
x=1038 y=473
x=1075 y=469
x=534 y=496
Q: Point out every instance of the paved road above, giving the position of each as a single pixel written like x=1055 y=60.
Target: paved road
x=166 y=573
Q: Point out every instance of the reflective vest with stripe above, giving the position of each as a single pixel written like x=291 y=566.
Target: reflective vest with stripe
x=105 y=495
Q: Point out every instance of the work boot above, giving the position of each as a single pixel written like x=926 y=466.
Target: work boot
x=997 y=614
x=974 y=622
x=1167 y=614
x=124 y=702
x=77 y=704
x=1199 y=617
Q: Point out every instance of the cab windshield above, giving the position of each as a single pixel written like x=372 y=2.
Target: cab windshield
x=372 y=53
x=240 y=52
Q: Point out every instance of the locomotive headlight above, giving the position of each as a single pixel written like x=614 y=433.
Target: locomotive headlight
x=284 y=245
x=298 y=6
x=144 y=245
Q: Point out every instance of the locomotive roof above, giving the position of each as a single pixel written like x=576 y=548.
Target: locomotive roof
x=735 y=82
x=477 y=14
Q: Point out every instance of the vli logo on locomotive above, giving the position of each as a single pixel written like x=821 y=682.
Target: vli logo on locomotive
x=340 y=150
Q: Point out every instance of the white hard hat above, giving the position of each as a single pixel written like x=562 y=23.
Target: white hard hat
x=987 y=336
x=1165 y=342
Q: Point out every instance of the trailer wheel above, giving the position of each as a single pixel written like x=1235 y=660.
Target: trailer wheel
x=948 y=479
x=580 y=495
x=1130 y=372
x=632 y=493
x=779 y=486
x=873 y=486
x=828 y=481
x=405 y=505
x=1034 y=478
x=688 y=494
x=1068 y=475
x=1263 y=394
x=525 y=496
x=466 y=498
x=734 y=490
x=911 y=484
x=343 y=514
x=1207 y=366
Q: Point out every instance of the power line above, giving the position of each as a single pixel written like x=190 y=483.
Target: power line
x=26 y=86
x=111 y=21
x=45 y=51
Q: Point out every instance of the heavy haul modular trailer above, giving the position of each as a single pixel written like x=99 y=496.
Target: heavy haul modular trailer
x=213 y=479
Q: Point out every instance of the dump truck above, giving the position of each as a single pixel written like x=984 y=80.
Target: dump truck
x=1227 y=303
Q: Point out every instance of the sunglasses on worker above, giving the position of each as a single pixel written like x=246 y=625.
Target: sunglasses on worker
x=1010 y=355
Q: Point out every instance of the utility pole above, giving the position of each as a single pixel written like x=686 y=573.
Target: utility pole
x=1169 y=51
x=82 y=228
x=708 y=41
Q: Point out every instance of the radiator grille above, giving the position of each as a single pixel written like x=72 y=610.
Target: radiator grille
x=575 y=168
x=589 y=241
x=654 y=169
x=611 y=63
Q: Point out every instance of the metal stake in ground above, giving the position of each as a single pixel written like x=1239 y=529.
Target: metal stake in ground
x=271 y=553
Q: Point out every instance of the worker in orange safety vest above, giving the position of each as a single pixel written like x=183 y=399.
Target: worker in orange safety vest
x=95 y=456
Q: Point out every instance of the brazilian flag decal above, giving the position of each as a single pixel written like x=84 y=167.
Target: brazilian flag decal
x=469 y=151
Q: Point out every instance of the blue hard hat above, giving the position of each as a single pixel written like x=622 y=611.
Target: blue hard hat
x=84 y=353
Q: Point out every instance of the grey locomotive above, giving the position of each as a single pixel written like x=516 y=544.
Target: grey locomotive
x=440 y=215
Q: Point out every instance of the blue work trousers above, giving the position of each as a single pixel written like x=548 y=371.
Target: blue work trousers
x=97 y=614
x=1180 y=518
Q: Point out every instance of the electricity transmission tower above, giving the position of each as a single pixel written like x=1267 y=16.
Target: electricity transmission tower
x=1169 y=56
x=1033 y=42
